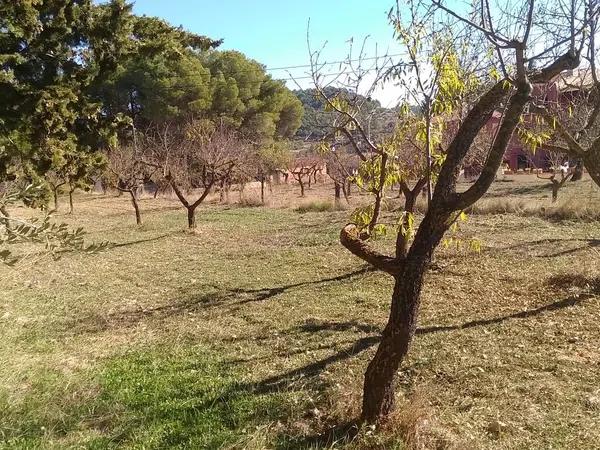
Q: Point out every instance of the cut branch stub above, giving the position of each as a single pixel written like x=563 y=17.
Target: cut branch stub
x=350 y=238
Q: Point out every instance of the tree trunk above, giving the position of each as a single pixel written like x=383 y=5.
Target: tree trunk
x=301 y=188
x=592 y=164
x=222 y=192
x=136 y=207
x=379 y=391
x=376 y=212
x=345 y=192
x=338 y=195
x=71 y=201
x=191 y=217
x=55 y=195
x=555 y=188
x=578 y=172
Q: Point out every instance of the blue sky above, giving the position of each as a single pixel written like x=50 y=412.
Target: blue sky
x=274 y=31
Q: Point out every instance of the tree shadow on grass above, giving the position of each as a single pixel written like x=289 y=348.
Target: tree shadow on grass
x=524 y=246
x=336 y=435
x=261 y=294
x=288 y=379
x=532 y=189
x=233 y=298
x=591 y=243
x=306 y=376
x=143 y=241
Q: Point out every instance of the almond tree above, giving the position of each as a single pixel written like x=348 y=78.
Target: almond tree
x=197 y=157
x=127 y=173
x=302 y=169
x=525 y=54
x=340 y=168
x=265 y=161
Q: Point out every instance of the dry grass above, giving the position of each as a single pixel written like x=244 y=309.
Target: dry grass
x=506 y=355
x=564 y=210
x=317 y=206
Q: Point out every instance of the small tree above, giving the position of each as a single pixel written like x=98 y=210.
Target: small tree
x=76 y=170
x=266 y=160
x=557 y=168
x=127 y=173
x=302 y=169
x=436 y=58
x=199 y=156
x=340 y=168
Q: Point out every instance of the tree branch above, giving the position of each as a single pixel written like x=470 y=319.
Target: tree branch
x=349 y=238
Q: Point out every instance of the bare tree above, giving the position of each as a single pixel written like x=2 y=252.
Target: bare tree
x=341 y=168
x=559 y=166
x=127 y=173
x=302 y=169
x=197 y=157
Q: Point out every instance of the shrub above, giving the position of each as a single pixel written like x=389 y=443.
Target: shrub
x=316 y=206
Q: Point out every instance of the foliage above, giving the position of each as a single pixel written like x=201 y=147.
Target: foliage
x=46 y=109
x=269 y=158
x=318 y=118
x=54 y=238
x=168 y=75
x=244 y=96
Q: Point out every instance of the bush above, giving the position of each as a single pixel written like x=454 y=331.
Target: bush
x=316 y=206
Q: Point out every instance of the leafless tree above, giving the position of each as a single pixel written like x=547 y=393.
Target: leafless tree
x=127 y=172
x=198 y=156
x=341 y=167
x=572 y=116
x=559 y=167
x=302 y=169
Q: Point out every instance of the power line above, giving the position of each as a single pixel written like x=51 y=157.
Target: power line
x=262 y=69
x=334 y=62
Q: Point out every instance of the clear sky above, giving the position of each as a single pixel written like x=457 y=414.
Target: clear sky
x=273 y=32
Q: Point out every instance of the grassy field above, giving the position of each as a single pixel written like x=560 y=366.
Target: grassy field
x=254 y=331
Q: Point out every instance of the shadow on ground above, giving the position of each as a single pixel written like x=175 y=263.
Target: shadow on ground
x=231 y=298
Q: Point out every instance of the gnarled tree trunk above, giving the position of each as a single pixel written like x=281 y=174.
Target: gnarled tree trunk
x=378 y=390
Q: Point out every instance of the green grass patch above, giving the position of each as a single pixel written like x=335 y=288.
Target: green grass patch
x=151 y=399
